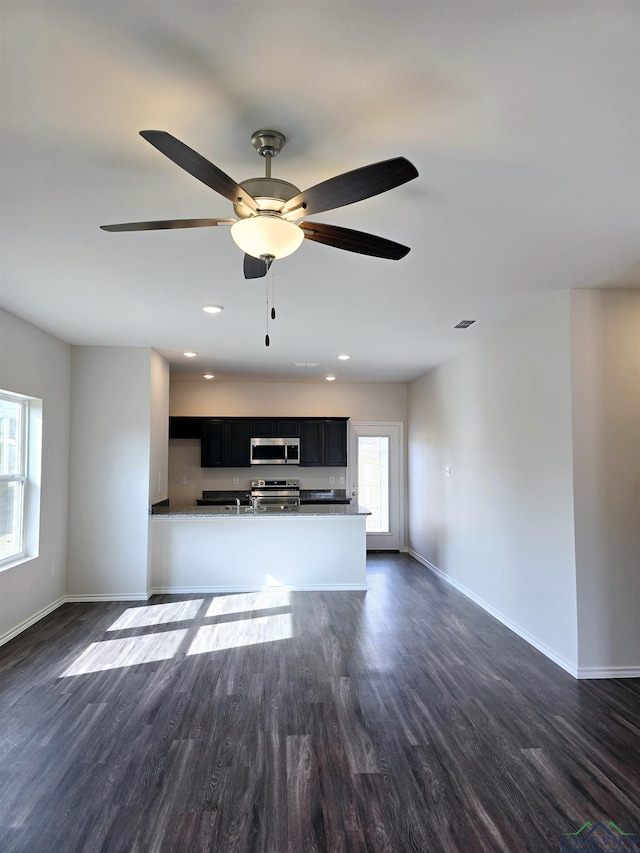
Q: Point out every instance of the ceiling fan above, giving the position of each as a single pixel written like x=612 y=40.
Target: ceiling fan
x=269 y=209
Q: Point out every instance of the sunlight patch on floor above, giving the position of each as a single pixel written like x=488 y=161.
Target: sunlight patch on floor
x=245 y=602
x=157 y=614
x=244 y=632
x=130 y=651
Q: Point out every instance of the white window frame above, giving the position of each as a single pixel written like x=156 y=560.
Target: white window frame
x=21 y=477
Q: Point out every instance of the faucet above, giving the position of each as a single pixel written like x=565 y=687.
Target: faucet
x=254 y=502
x=237 y=505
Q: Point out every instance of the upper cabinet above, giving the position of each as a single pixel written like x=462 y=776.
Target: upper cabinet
x=225 y=441
x=238 y=436
x=185 y=427
x=213 y=450
x=323 y=443
x=275 y=428
x=335 y=443
x=311 y=443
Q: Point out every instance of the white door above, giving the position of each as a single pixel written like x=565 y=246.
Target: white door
x=375 y=475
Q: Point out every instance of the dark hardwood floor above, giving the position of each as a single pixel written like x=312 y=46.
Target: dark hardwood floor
x=401 y=719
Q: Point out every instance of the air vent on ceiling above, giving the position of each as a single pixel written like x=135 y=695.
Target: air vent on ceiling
x=305 y=364
x=464 y=324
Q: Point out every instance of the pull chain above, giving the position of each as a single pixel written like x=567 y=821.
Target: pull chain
x=271 y=313
x=273 y=293
x=266 y=337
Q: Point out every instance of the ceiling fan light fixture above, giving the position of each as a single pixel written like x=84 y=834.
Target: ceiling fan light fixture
x=267 y=234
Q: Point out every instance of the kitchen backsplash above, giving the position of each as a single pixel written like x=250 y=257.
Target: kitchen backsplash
x=184 y=464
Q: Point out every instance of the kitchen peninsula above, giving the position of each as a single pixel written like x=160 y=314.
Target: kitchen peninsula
x=235 y=548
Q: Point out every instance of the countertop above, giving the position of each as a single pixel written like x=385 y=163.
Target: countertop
x=307 y=496
x=304 y=511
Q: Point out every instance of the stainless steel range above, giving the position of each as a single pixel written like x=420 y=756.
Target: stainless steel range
x=284 y=494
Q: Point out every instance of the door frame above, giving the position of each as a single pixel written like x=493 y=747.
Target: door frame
x=379 y=428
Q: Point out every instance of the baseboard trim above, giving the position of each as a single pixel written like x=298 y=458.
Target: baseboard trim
x=201 y=590
x=608 y=672
x=27 y=623
x=512 y=626
x=89 y=599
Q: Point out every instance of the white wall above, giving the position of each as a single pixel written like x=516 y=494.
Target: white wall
x=366 y=401
x=501 y=527
x=358 y=401
x=38 y=365
x=109 y=471
x=159 y=450
x=606 y=452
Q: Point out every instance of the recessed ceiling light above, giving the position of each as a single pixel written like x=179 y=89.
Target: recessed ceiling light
x=344 y=357
x=213 y=309
x=208 y=376
x=330 y=378
x=190 y=354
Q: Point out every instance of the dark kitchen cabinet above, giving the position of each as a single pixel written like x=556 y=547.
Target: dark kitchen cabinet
x=212 y=450
x=185 y=427
x=323 y=443
x=287 y=428
x=238 y=444
x=275 y=428
x=335 y=443
x=225 y=443
x=311 y=443
x=262 y=428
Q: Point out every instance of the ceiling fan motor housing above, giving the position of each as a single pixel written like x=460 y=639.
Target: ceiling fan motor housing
x=268 y=143
x=269 y=193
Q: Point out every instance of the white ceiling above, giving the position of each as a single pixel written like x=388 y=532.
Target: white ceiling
x=523 y=119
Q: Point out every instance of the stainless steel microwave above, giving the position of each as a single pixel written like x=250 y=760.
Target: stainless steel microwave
x=275 y=451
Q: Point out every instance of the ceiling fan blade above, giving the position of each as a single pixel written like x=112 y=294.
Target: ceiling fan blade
x=255 y=267
x=199 y=167
x=167 y=224
x=353 y=186
x=354 y=241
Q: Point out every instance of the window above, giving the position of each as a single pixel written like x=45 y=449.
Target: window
x=13 y=475
x=373 y=480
